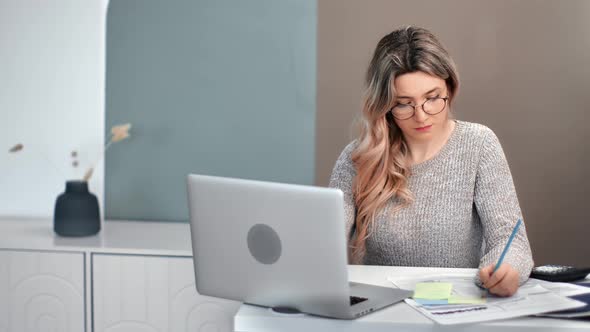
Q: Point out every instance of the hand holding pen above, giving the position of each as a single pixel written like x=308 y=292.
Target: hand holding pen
x=501 y=279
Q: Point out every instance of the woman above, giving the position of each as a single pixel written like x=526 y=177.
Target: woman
x=423 y=189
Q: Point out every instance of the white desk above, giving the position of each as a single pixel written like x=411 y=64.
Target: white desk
x=399 y=317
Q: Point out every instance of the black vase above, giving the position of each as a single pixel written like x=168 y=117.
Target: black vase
x=76 y=211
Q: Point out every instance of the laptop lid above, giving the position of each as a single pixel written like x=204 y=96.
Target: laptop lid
x=269 y=244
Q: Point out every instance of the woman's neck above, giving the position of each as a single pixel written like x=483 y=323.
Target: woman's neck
x=421 y=151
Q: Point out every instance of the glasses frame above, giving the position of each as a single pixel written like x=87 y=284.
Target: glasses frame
x=421 y=106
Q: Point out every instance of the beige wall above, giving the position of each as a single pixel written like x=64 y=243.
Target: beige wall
x=525 y=73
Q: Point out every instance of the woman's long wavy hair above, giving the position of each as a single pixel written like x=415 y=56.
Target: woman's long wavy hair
x=380 y=156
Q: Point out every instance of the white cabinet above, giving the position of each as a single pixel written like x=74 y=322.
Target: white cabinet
x=136 y=293
x=131 y=276
x=41 y=291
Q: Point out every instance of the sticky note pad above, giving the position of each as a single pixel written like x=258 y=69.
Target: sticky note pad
x=466 y=300
x=433 y=290
x=431 y=302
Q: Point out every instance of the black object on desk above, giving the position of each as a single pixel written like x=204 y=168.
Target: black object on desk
x=76 y=211
x=559 y=273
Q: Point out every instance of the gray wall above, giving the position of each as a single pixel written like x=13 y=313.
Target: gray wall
x=525 y=72
x=213 y=87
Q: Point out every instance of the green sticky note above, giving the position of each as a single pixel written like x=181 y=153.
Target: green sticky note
x=466 y=300
x=433 y=290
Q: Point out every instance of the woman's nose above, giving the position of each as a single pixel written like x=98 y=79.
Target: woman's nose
x=419 y=114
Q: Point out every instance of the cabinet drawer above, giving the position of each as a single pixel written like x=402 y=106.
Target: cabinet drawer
x=41 y=291
x=135 y=293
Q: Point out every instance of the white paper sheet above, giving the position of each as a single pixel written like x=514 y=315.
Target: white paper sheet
x=563 y=288
x=532 y=298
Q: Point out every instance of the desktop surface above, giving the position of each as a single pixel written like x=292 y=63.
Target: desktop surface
x=398 y=316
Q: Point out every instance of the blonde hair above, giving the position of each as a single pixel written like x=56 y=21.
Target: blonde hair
x=380 y=156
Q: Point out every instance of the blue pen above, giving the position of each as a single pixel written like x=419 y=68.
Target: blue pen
x=485 y=291
x=507 y=245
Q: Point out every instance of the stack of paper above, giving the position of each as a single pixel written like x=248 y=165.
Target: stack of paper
x=573 y=291
x=455 y=299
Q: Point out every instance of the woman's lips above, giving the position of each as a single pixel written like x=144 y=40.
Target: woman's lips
x=425 y=128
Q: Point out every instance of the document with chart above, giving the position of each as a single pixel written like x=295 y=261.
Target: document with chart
x=465 y=303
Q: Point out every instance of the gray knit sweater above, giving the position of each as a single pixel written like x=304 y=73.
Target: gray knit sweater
x=465 y=207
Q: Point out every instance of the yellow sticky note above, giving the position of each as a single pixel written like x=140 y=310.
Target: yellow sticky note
x=466 y=300
x=433 y=290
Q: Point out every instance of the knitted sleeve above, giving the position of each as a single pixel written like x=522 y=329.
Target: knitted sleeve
x=341 y=178
x=497 y=205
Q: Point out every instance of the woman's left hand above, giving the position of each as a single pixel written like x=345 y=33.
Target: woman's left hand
x=503 y=282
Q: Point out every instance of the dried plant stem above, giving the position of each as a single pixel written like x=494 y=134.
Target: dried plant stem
x=48 y=160
x=88 y=174
x=106 y=147
x=90 y=170
x=118 y=133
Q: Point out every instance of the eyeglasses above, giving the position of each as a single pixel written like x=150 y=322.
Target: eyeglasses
x=430 y=106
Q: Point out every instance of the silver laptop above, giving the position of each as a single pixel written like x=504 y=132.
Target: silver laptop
x=277 y=245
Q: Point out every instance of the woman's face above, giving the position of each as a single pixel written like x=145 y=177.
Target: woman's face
x=414 y=89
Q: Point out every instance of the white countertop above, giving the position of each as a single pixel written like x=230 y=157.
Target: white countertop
x=128 y=237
